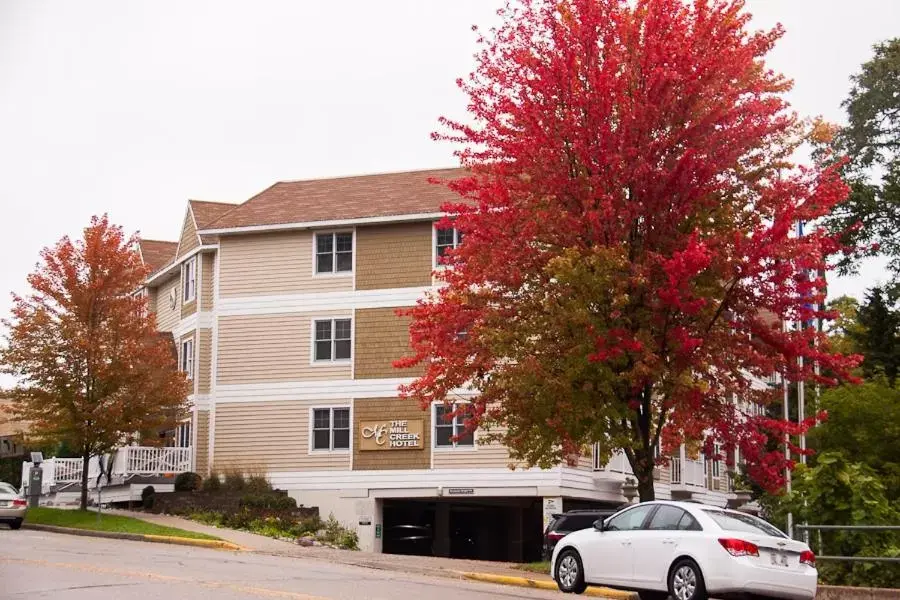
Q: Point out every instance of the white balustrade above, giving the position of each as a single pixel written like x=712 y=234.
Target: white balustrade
x=128 y=461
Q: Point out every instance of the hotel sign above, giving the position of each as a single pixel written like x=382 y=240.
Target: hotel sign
x=405 y=434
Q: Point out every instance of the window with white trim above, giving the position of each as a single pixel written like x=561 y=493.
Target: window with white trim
x=332 y=340
x=186 y=364
x=331 y=428
x=189 y=280
x=446 y=427
x=183 y=435
x=444 y=240
x=334 y=252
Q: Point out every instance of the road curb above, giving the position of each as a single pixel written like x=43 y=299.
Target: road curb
x=544 y=584
x=136 y=537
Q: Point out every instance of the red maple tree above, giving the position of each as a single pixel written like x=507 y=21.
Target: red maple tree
x=93 y=371
x=628 y=256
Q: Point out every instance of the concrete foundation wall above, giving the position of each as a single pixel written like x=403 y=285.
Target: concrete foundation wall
x=350 y=512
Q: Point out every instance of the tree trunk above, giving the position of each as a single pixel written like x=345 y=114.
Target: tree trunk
x=646 y=491
x=86 y=464
x=642 y=464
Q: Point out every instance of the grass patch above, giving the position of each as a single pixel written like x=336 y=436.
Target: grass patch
x=85 y=519
x=536 y=567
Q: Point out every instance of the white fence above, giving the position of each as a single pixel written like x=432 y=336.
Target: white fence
x=128 y=461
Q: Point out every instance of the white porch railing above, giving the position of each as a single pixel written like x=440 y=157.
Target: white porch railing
x=141 y=460
x=128 y=461
x=617 y=464
x=686 y=472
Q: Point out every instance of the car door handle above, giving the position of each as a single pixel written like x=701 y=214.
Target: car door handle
x=668 y=541
x=626 y=543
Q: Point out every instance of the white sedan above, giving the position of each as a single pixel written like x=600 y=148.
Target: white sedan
x=687 y=550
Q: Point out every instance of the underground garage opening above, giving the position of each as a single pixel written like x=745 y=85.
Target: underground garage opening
x=502 y=529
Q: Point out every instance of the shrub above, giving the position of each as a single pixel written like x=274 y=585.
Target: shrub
x=235 y=482
x=148 y=495
x=212 y=483
x=187 y=482
x=258 y=484
x=278 y=502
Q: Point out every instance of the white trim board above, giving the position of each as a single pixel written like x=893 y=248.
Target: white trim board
x=416 y=478
x=309 y=302
x=203 y=320
x=335 y=389
x=325 y=224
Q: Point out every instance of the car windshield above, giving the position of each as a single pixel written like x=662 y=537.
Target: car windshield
x=5 y=488
x=732 y=521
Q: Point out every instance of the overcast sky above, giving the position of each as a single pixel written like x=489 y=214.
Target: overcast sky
x=133 y=107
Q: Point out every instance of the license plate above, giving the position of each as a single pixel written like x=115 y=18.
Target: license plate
x=5 y=503
x=779 y=559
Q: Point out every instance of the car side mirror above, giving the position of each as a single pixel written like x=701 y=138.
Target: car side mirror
x=599 y=525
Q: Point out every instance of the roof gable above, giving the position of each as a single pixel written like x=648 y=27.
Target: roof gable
x=157 y=253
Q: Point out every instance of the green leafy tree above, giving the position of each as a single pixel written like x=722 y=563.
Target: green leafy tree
x=864 y=417
x=871 y=217
x=838 y=491
x=877 y=336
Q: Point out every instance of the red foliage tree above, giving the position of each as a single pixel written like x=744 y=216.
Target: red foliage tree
x=628 y=256
x=93 y=370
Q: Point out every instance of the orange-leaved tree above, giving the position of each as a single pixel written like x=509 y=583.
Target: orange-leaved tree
x=92 y=369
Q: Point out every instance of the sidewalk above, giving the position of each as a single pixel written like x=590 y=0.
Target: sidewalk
x=421 y=565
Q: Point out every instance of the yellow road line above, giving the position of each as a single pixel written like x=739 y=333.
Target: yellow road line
x=256 y=591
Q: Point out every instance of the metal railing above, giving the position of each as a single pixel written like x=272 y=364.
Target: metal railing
x=820 y=554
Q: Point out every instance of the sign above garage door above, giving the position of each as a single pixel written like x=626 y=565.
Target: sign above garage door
x=405 y=434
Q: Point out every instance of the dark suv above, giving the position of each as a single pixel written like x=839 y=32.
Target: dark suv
x=573 y=520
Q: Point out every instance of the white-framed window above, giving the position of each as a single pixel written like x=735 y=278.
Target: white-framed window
x=446 y=428
x=183 y=435
x=713 y=463
x=186 y=364
x=334 y=252
x=330 y=428
x=445 y=239
x=189 y=279
x=332 y=340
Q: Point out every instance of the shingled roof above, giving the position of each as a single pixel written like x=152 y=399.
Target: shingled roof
x=344 y=198
x=206 y=212
x=156 y=253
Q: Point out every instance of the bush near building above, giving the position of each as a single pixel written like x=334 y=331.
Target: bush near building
x=239 y=501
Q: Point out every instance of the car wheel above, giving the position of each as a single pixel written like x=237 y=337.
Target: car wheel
x=570 y=572
x=653 y=595
x=15 y=524
x=686 y=581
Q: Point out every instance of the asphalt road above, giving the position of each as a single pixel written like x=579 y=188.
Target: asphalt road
x=35 y=564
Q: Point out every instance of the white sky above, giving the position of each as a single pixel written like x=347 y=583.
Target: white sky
x=133 y=107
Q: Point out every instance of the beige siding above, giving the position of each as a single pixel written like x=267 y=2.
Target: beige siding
x=272 y=348
x=381 y=338
x=166 y=316
x=207 y=275
x=189 y=238
x=393 y=256
x=202 y=450
x=485 y=456
x=271 y=436
x=273 y=263
x=204 y=360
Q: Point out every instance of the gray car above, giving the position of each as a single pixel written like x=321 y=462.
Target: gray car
x=12 y=506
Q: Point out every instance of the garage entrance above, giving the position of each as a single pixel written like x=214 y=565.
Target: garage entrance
x=503 y=529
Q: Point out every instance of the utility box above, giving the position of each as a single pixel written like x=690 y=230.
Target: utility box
x=35 y=484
